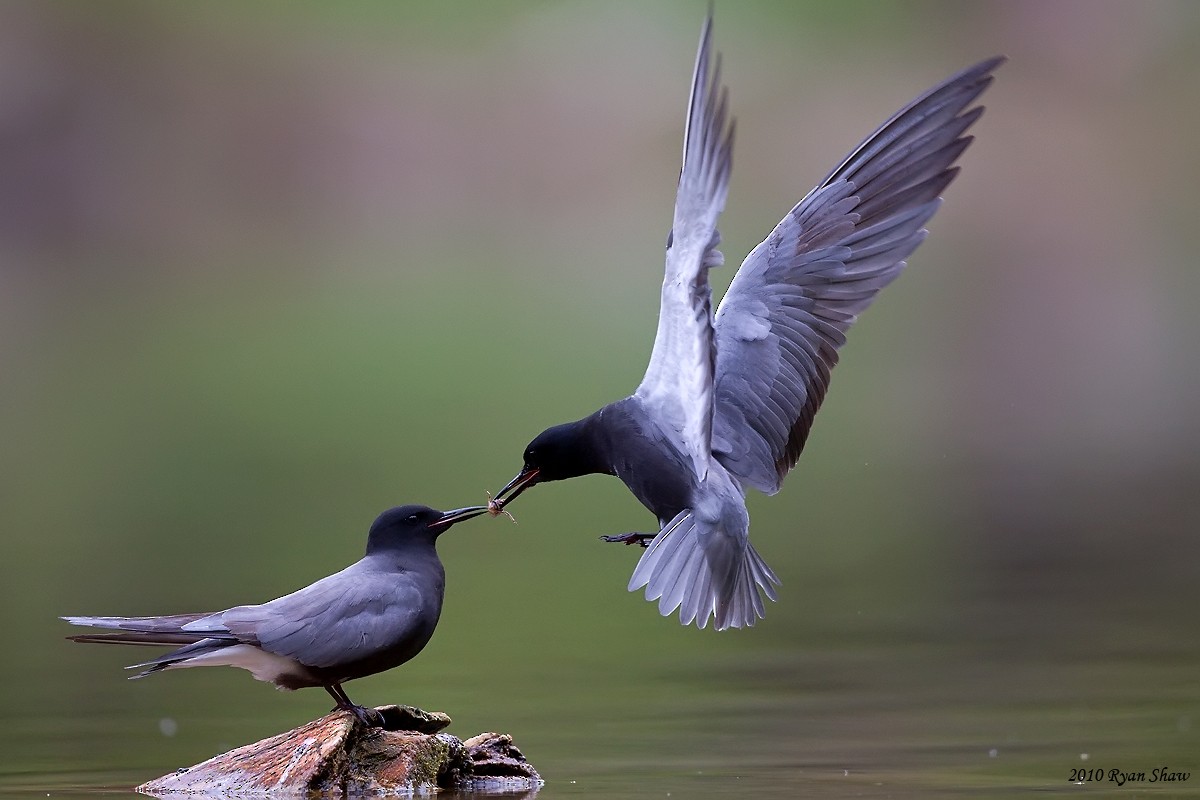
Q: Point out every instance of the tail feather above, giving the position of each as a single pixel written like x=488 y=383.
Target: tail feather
x=704 y=574
x=137 y=638
x=149 y=631
x=166 y=624
x=199 y=646
x=664 y=546
x=746 y=604
x=693 y=609
x=673 y=597
x=763 y=575
x=672 y=573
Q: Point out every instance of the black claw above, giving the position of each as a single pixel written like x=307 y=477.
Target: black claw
x=643 y=539
x=367 y=716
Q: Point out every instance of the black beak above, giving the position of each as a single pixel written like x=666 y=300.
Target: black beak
x=448 y=518
x=527 y=477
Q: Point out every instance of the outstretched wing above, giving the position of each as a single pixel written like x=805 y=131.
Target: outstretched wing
x=678 y=384
x=787 y=310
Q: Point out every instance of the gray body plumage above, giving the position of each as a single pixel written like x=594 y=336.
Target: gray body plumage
x=371 y=616
x=727 y=400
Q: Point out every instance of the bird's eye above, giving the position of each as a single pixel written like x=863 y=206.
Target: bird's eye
x=411 y=518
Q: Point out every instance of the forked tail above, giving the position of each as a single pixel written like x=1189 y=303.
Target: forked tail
x=160 y=631
x=705 y=574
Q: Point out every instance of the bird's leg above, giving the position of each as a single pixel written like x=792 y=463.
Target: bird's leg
x=367 y=716
x=644 y=539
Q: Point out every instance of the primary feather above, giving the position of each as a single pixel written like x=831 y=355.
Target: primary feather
x=787 y=310
x=678 y=382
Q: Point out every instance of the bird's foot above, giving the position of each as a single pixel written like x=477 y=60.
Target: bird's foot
x=643 y=539
x=367 y=716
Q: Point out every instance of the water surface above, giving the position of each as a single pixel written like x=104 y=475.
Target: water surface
x=910 y=708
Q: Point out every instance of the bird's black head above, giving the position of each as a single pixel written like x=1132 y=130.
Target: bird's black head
x=564 y=451
x=411 y=524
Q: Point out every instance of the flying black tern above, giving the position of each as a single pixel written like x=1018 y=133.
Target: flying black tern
x=727 y=401
x=373 y=615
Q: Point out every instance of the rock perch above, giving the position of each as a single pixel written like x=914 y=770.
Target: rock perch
x=339 y=755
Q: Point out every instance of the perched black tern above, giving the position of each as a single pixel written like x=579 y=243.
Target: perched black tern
x=727 y=401
x=374 y=615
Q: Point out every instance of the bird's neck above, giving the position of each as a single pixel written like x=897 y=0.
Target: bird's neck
x=591 y=449
x=406 y=556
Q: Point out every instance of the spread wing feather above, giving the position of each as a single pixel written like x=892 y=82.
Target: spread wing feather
x=787 y=311
x=678 y=383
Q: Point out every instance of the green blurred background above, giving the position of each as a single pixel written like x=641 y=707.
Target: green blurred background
x=269 y=269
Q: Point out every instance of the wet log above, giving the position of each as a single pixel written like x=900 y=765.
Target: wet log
x=339 y=755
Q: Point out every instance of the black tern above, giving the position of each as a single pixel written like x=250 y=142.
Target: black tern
x=375 y=614
x=727 y=401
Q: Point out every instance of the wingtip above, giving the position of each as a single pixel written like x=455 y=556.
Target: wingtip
x=980 y=73
x=705 y=33
x=985 y=67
